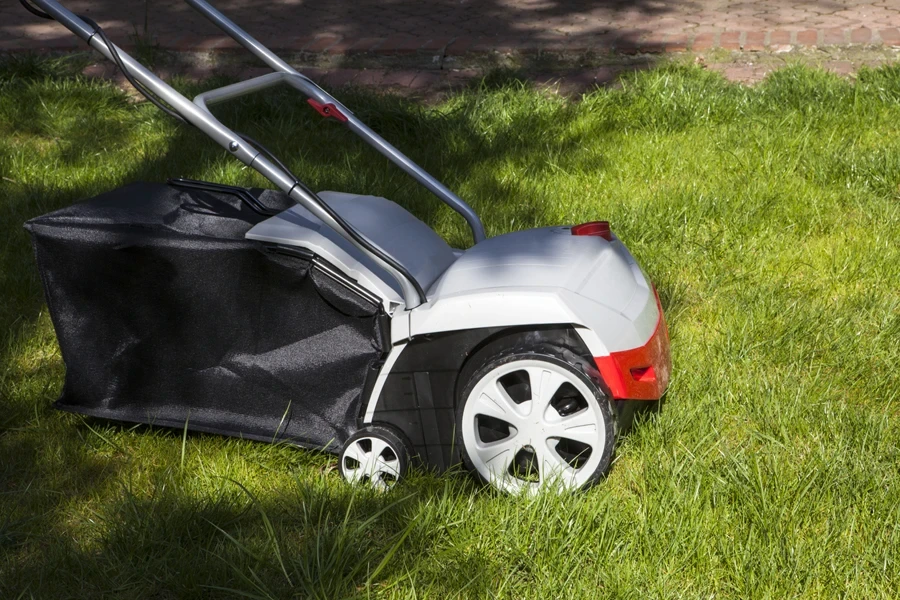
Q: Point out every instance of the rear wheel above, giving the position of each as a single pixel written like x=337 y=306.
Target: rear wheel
x=376 y=456
x=532 y=419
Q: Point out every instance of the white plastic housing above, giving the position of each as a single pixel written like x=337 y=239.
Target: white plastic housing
x=545 y=276
x=540 y=276
x=386 y=224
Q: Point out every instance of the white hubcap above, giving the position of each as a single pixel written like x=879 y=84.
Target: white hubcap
x=370 y=460
x=532 y=424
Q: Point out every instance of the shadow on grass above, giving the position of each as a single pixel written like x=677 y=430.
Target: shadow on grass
x=165 y=539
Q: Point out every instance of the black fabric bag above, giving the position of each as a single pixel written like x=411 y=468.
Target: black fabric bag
x=165 y=314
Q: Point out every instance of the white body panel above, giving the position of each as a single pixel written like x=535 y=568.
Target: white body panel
x=544 y=276
x=532 y=277
x=401 y=235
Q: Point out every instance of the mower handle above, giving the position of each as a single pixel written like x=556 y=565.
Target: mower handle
x=308 y=87
x=243 y=151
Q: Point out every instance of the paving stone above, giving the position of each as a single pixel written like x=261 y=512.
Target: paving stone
x=363 y=45
x=730 y=40
x=435 y=44
x=426 y=81
x=321 y=43
x=677 y=42
x=459 y=46
x=400 y=79
x=891 y=37
x=861 y=35
x=401 y=44
x=705 y=41
x=369 y=77
x=833 y=37
x=653 y=43
x=808 y=37
x=755 y=41
x=342 y=47
x=780 y=37
x=285 y=41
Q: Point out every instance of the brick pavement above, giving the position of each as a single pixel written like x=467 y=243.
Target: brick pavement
x=343 y=28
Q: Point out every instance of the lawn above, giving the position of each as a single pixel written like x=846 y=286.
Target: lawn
x=769 y=218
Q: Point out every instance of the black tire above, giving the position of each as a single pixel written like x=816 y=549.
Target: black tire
x=359 y=457
x=558 y=360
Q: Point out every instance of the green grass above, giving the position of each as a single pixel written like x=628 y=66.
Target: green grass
x=769 y=218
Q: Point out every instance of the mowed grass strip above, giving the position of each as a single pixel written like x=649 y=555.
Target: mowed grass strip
x=768 y=217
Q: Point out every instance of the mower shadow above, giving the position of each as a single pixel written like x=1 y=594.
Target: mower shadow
x=167 y=539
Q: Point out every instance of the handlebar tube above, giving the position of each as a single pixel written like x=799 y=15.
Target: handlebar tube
x=307 y=86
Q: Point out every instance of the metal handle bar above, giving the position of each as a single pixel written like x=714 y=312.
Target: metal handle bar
x=229 y=140
x=307 y=86
x=256 y=84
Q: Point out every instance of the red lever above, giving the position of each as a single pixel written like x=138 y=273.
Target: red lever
x=327 y=110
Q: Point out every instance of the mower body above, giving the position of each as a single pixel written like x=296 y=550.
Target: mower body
x=545 y=284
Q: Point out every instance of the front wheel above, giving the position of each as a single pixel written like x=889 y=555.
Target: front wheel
x=376 y=456
x=532 y=419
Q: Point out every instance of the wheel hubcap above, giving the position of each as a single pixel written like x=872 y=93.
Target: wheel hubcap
x=371 y=460
x=532 y=424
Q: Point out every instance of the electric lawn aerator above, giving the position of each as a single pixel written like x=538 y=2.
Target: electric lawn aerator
x=340 y=321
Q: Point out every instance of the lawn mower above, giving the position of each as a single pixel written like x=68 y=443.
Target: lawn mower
x=340 y=321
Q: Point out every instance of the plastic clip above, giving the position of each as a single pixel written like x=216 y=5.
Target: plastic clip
x=327 y=110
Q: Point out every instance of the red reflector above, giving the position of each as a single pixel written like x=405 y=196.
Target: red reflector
x=643 y=374
x=598 y=228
